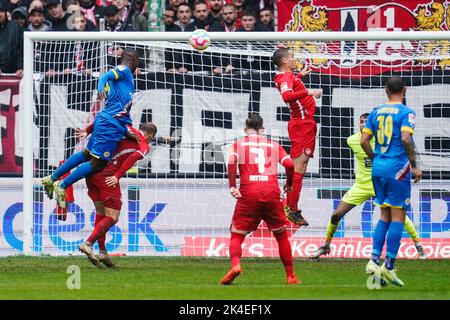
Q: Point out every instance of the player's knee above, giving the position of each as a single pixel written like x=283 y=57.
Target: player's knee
x=98 y=164
x=335 y=218
x=114 y=204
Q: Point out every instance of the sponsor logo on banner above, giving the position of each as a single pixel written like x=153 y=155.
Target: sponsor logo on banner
x=303 y=247
x=341 y=57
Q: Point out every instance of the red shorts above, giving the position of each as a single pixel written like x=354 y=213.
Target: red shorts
x=249 y=213
x=99 y=191
x=302 y=134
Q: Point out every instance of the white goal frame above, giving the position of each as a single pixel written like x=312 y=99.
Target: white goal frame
x=31 y=37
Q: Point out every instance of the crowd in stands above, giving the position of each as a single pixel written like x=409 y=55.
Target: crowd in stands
x=17 y=16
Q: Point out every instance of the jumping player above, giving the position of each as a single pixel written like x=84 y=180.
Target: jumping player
x=361 y=191
x=104 y=187
x=110 y=126
x=258 y=197
x=394 y=158
x=302 y=128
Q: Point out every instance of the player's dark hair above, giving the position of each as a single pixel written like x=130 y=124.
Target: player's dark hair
x=129 y=55
x=364 y=115
x=148 y=127
x=254 y=121
x=278 y=55
x=395 y=85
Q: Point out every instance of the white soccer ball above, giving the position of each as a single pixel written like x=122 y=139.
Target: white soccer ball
x=199 y=40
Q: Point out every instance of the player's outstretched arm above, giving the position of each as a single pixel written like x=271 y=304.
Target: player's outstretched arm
x=408 y=145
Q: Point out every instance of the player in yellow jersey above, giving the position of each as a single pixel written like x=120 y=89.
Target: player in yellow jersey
x=361 y=191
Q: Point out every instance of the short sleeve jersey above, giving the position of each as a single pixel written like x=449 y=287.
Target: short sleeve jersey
x=119 y=94
x=386 y=123
x=258 y=159
x=303 y=108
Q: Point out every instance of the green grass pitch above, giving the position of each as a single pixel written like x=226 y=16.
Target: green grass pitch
x=198 y=278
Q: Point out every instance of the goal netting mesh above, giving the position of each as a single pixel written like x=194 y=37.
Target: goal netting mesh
x=176 y=201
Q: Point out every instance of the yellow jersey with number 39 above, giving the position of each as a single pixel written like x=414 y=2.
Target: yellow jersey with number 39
x=386 y=123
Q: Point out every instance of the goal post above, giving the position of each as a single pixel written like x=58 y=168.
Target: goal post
x=198 y=205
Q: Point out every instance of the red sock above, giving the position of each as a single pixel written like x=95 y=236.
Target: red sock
x=294 y=196
x=101 y=241
x=285 y=250
x=236 y=248
x=101 y=229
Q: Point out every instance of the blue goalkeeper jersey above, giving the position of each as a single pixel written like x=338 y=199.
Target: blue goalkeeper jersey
x=118 y=86
x=386 y=123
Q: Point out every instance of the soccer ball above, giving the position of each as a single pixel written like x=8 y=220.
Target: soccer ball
x=199 y=40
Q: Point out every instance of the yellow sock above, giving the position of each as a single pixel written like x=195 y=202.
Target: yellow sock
x=409 y=226
x=331 y=229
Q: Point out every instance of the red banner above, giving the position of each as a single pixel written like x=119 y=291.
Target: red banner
x=379 y=16
x=303 y=247
x=9 y=102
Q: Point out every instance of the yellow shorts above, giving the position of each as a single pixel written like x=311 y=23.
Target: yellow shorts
x=358 y=195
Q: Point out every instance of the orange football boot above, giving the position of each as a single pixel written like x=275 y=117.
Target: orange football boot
x=231 y=275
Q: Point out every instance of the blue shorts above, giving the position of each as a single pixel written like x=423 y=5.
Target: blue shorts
x=105 y=137
x=392 y=193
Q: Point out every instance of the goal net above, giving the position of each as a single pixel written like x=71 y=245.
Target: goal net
x=176 y=201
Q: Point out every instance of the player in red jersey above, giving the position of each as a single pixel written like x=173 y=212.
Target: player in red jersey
x=104 y=187
x=258 y=195
x=302 y=128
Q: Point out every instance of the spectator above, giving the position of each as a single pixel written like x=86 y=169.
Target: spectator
x=91 y=11
x=228 y=23
x=215 y=7
x=79 y=22
x=249 y=23
x=239 y=6
x=202 y=17
x=57 y=16
x=11 y=46
x=73 y=6
x=266 y=17
x=184 y=15
x=37 y=20
x=19 y=15
x=14 y=4
x=35 y=4
x=169 y=20
x=176 y=3
x=138 y=13
x=114 y=20
x=123 y=6
x=224 y=62
x=85 y=53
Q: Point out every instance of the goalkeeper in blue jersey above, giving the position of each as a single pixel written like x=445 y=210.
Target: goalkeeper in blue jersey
x=110 y=126
x=394 y=159
x=361 y=191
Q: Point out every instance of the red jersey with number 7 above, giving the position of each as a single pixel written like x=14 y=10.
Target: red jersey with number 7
x=289 y=84
x=257 y=158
